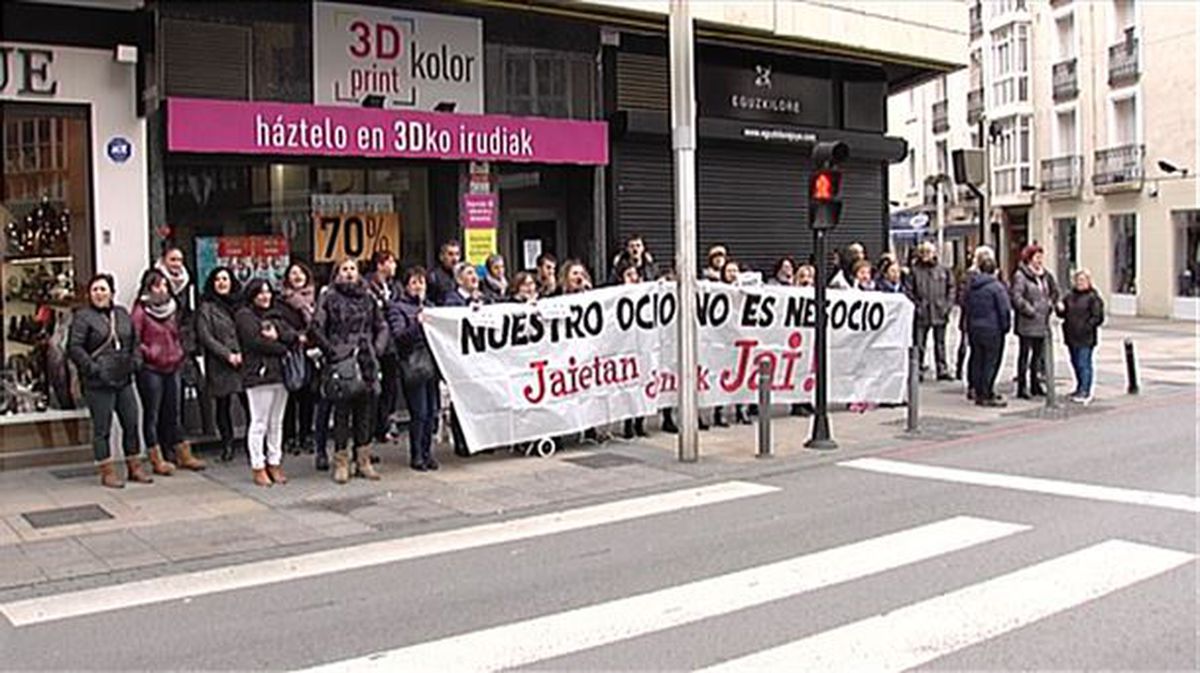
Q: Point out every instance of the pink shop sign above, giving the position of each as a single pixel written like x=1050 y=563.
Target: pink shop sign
x=479 y=211
x=238 y=127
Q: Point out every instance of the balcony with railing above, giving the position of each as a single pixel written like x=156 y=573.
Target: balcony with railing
x=1062 y=177
x=1066 y=80
x=974 y=106
x=941 y=116
x=976 y=15
x=1123 y=66
x=1119 y=168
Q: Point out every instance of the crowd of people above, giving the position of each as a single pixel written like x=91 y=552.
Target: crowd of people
x=307 y=358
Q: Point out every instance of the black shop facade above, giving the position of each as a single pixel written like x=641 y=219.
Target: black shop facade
x=759 y=115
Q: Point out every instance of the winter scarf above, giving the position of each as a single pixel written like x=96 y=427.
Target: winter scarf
x=159 y=307
x=178 y=282
x=303 y=300
x=500 y=285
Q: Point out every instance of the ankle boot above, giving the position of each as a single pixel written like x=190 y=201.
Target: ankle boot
x=159 y=464
x=639 y=427
x=341 y=466
x=137 y=473
x=183 y=454
x=628 y=433
x=226 y=452
x=108 y=475
x=719 y=418
x=275 y=472
x=740 y=416
x=365 y=469
x=668 y=422
x=260 y=477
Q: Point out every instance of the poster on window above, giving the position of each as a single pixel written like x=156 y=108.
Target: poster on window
x=248 y=257
x=338 y=236
x=396 y=59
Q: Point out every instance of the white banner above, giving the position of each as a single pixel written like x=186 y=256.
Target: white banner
x=412 y=60
x=518 y=372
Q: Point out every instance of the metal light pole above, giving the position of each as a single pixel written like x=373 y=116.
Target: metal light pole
x=683 y=142
x=941 y=213
x=821 y=437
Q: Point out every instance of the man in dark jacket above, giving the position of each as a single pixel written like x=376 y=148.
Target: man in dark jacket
x=931 y=288
x=636 y=255
x=441 y=280
x=382 y=284
x=989 y=317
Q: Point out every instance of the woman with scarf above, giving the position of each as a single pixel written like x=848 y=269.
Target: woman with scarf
x=266 y=337
x=217 y=337
x=349 y=324
x=495 y=283
x=406 y=319
x=156 y=319
x=103 y=345
x=296 y=307
x=1034 y=295
x=171 y=265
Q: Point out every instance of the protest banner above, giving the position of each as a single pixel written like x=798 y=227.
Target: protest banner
x=519 y=372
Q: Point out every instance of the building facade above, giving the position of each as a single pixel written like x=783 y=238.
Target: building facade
x=1087 y=113
x=254 y=134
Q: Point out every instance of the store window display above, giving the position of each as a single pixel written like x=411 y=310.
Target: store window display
x=46 y=247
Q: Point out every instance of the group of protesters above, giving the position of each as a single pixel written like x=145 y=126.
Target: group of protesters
x=299 y=356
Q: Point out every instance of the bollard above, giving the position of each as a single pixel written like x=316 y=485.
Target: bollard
x=1131 y=377
x=1048 y=366
x=914 y=389
x=764 y=409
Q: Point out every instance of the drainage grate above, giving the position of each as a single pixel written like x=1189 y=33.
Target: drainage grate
x=599 y=461
x=65 y=516
x=73 y=472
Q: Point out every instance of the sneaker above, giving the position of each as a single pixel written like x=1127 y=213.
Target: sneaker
x=1086 y=399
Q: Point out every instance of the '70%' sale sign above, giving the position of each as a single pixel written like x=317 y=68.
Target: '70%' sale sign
x=338 y=236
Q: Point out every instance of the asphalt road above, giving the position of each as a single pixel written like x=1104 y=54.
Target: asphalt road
x=1059 y=573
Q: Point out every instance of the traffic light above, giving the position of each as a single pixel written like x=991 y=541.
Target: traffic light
x=825 y=185
x=824 y=205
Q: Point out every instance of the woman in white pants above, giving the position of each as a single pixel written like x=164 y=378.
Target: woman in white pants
x=265 y=338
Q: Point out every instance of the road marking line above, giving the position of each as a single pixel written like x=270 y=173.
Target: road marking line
x=188 y=585
x=917 y=634
x=541 y=638
x=1176 y=501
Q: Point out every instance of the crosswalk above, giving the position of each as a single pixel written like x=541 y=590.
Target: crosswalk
x=875 y=638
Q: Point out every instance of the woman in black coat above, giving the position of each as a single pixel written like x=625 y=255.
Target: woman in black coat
x=1082 y=311
x=217 y=338
x=104 y=347
x=297 y=304
x=406 y=320
x=349 y=324
x=265 y=339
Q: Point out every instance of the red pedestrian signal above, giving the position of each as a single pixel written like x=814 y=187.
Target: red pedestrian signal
x=825 y=185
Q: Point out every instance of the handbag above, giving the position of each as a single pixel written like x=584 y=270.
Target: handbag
x=297 y=370
x=114 y=368
x=343 y=380
x=417 y=366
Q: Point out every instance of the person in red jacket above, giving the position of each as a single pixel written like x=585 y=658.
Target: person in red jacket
x=156 y=320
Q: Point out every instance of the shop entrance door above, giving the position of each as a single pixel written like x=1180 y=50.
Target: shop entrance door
x=534 y=232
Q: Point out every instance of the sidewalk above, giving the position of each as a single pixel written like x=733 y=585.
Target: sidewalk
x=58 y=524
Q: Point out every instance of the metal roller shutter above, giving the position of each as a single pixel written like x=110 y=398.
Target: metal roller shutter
x=752 y=200
x=643 y=82
x=206 y=60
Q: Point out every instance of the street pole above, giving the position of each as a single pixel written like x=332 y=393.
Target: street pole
x=987 y=183
x=941 y=213
x=683 y=142
x=821 y=438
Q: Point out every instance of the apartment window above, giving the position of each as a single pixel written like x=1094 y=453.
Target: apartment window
x=1124 y=122
x=1065 y=33
x=912 y=170
x=1124 y=258
x=1010 y=64
x=1064 y=133
x=1000 y=7
x=1012 y=155
x=540 y=82
x=1124 y=18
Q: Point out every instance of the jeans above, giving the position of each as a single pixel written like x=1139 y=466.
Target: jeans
x=987 y=352
x=1036 y=369
x=266 y=425
x=389 y=367
x=422 y=410
x=160 y=395
x=225 y=415
x=939 y=346
x=298 y=416
x=102 y=402
x=354 y=419
x=324 y=410
x=1081 y=362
